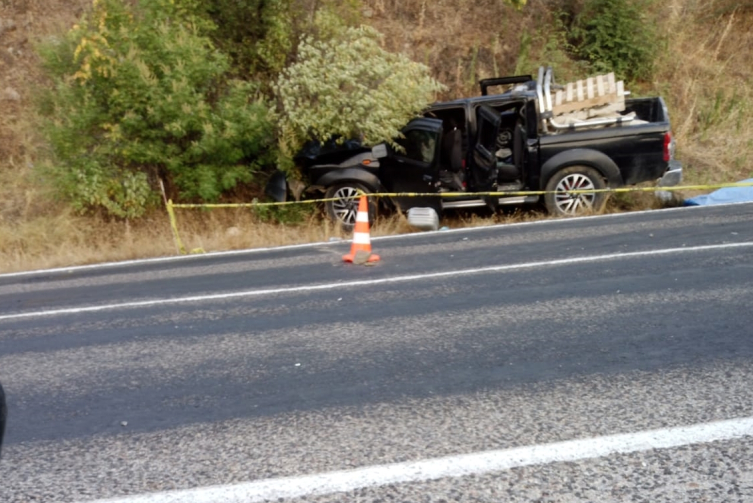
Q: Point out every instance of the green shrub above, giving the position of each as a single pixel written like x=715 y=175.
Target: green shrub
x=550 y=47
x=261 y=36
x=139 y=95
x=616 y=35
x=258 y=35
x=349 y=87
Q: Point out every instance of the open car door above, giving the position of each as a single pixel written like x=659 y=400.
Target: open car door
x=483 y=163
x=414 y=168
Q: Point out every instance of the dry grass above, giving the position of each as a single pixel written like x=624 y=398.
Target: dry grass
x=34 y=230
x=460 y=40
x=65 y=239
x=704 y=74
x=704 y=71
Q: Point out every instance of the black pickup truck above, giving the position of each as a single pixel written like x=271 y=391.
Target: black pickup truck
x=506 y=142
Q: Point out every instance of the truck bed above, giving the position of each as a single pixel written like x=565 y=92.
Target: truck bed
x=647 y=109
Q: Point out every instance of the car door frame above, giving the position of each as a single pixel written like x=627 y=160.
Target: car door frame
x=481 y=159
x=401 y=173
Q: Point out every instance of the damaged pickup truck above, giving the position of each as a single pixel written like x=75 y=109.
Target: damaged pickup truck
x=535 y=135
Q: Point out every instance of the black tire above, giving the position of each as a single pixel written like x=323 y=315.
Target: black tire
x=344 y=208
x=559 y=202
x=3 y=416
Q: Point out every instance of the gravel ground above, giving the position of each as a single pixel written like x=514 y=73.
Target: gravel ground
x=719 y=472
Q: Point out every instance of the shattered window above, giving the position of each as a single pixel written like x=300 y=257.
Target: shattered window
x=419 y=145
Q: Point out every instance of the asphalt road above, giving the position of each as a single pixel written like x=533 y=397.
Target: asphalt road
x=179 y=374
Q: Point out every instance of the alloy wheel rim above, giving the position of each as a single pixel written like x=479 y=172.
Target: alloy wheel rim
x=345 y=205
x=569 y=203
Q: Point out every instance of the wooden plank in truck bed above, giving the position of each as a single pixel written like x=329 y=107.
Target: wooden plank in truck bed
x=589 y=93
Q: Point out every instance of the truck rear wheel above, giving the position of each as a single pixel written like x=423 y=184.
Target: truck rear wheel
x=559 y=202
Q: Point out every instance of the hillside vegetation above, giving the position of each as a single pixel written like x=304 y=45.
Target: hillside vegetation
x=61 y=204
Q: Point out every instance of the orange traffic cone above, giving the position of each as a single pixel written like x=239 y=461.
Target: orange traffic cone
x=360 y=250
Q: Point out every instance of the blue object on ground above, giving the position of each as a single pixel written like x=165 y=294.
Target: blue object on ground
x=724 y=196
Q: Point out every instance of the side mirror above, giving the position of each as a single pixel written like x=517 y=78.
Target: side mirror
x=379 y=151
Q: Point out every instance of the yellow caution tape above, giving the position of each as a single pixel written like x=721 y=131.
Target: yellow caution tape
x=182 y=249
x=477 y=194
x=174 y=225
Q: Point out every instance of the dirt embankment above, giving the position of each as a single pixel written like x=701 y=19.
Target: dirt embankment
x=22 y=24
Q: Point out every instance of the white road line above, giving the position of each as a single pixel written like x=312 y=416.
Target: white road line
x=157 y=260
x=248 y=251
x=369 y=282
x=451 y=466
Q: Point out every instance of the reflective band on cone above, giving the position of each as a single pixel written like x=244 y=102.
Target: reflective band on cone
x=361 y=238
x=361 y=245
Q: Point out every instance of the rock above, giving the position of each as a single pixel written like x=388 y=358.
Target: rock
x=6 y=25
x=233 y=231
x=361 y=257
x=10 y=94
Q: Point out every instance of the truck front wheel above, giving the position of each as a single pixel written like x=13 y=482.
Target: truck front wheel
x=559 y=202
x=342 y=204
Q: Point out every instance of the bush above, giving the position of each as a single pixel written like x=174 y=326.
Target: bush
x=618 y=36
x=261 y=36
x=347 y=86
x=139 y=95
x=258 y=35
